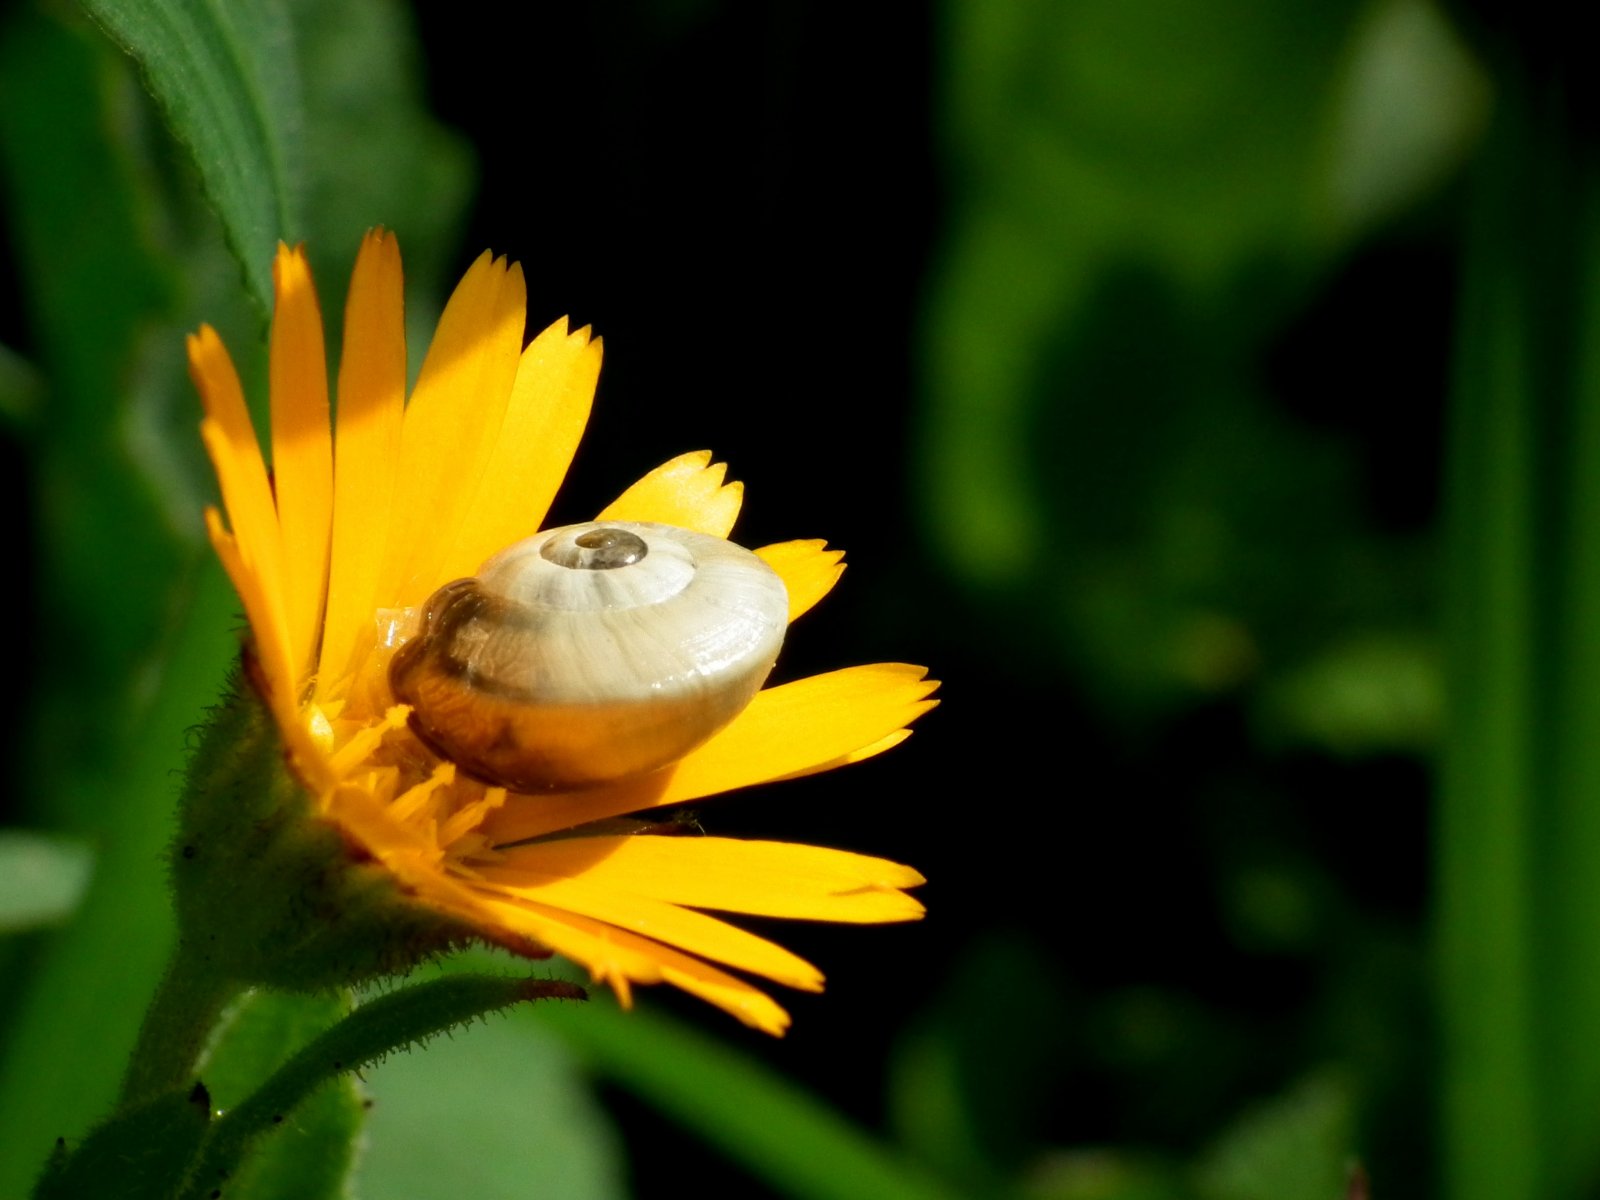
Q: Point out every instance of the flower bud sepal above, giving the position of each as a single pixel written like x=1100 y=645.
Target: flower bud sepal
x=267 y=891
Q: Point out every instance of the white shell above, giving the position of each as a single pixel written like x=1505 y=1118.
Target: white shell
x=591 y=653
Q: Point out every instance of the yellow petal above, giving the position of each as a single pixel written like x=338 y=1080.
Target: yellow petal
x=616 y=956
x=302 y=450
x=230 y=441
x=687 y=491
x=769 y=879
x=372 y=391
x=808 y=570
x=844 y=760
x=803 y=726
x=267 y=625
x=795 y=729
x=667 y=923
x=257 y=543
x=452 y=424
x=549 y=407
x=413 y=859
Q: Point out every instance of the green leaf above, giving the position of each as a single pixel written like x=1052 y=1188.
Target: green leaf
x=97 y=290
x=224 y=74
x=139 y=1155
x=42 y=878
x=312 y=1156
x=377 y=1028
x=75 y=1020
x=1104 y=1175
x=500 y=1111
x=309 y=1155
x=1297 y=1147
x=778 y=1131
x=1373 y=691
x=973 y=1080
x=1408 y=108
x=21 y=391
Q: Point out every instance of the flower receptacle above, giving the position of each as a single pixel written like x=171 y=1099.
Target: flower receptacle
x=270 y=893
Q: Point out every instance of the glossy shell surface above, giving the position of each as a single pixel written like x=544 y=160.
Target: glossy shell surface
x=591 y=653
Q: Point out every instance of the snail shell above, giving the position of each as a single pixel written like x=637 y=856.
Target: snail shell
x=591 y=653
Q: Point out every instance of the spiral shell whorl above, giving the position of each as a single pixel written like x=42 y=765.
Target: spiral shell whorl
x=591 y=653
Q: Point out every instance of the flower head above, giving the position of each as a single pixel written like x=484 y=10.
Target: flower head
x=364 y=516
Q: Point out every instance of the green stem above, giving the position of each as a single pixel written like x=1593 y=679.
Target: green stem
x=397 y=1021
x=181 y=1016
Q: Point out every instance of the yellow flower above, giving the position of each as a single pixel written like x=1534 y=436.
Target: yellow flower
x=364 y=517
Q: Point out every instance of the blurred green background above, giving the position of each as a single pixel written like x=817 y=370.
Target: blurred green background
x=1208 y=393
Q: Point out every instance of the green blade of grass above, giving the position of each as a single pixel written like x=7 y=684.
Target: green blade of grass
x=1519 y=814
x=776 y=1130
x=1483 y=820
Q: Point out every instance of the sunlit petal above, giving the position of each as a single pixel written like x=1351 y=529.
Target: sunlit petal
x=808 y=570
x=372 y=393
x=688 y=492
x=302 y=450
x=769 y=879
x=808 y=725
x=452 y=426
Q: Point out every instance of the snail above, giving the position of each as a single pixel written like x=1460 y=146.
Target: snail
x=591 y=653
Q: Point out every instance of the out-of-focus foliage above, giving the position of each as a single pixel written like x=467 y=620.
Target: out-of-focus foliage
x=494 y=1112
x=41 y=879
x=1297 y=1147
x=113 y=581
x=1142 y=195
x=779 y=1133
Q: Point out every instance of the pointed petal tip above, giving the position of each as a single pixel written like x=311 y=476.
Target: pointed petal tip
x=586 y=340
x=378 y=239
x=216 y=530
x=620 y=985
x=291 y=280
x=687 y=491
x=202 y=340
x=891 y=876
